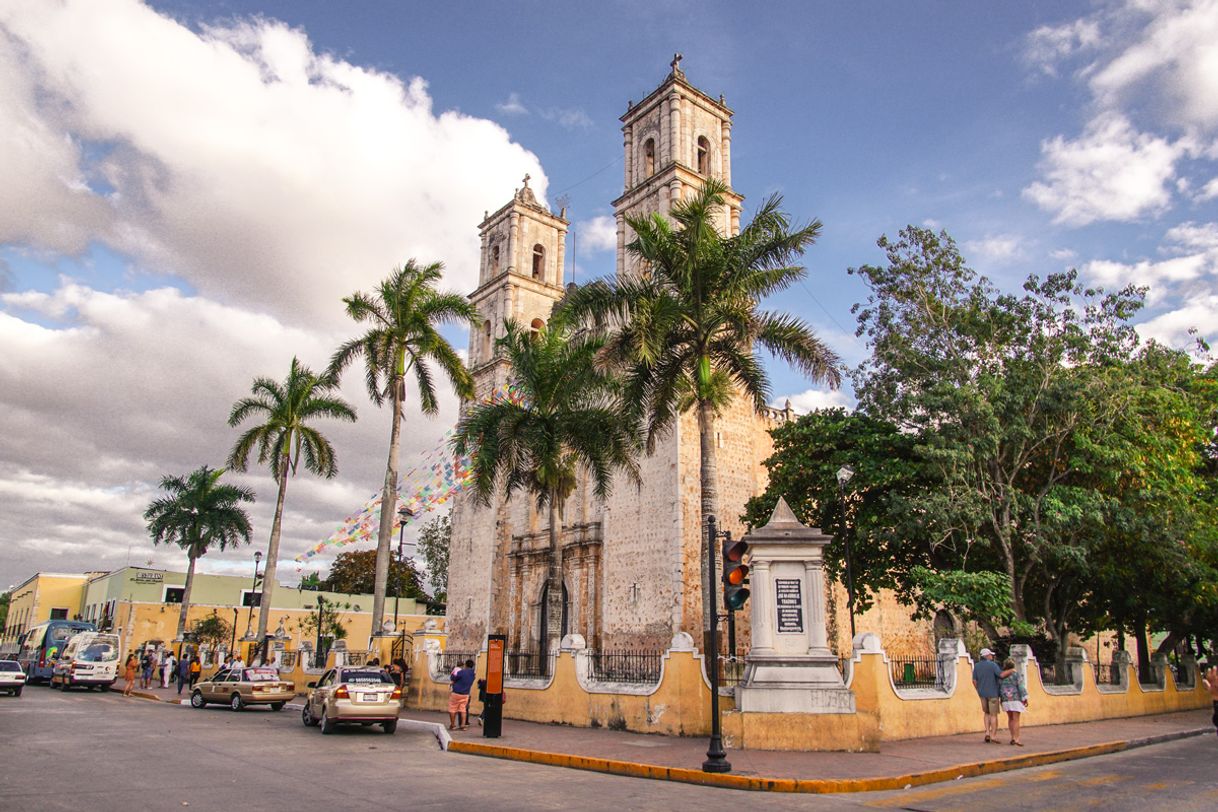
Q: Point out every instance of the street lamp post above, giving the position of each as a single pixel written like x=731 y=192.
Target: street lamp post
x=249 y=618
x=716 y=757
x=844 y=475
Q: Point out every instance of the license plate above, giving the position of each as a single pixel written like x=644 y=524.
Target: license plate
x=371 y=697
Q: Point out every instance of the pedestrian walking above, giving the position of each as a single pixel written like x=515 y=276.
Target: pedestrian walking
x=1014 y=696
x=129 y=669
x=986 y=675
x=168 y=668
x=1210 y=681
x=183 y=673
x=458 y=700
x=149 y=664
x=196 y=668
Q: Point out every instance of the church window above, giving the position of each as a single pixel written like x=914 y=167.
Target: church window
x=486 y=341
x=703 y=155
x=494 y=259
x=539 y=261
x=649 y=157
x=536 y=326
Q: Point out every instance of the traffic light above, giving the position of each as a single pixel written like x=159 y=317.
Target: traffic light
x=735 y=573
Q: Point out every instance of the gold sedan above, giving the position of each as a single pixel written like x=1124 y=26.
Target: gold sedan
x=244 y=686
x=364 y=696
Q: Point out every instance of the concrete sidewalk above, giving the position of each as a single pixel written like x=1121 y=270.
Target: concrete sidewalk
x=899 y=764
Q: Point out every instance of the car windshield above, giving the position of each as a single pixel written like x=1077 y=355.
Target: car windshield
x=365 y=677
x=9 y=665
x=261 y=675
x=98 y=653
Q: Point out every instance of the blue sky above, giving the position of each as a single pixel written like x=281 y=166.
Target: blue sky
x=191 y=187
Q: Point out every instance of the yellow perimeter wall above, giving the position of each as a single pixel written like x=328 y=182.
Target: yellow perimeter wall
x=680 y=704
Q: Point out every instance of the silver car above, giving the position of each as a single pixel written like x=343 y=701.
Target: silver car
x=351 y=695
x=12 y=678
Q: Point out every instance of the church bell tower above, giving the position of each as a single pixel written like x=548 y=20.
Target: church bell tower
x=674 y=140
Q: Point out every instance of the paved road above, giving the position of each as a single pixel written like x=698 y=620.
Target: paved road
x=104 y=752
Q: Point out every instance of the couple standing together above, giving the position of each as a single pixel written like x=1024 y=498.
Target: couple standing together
x=1000 y=688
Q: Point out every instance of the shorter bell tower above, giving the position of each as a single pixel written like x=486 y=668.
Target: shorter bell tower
x=520 y=277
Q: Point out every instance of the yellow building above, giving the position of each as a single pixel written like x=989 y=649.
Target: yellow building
x=43 y=596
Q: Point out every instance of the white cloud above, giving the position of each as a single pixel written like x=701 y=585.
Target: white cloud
x=597 y=234
x=140 y=385
x=568 y=118
x=236 y=157
x=1173 y=328
x=1049 y=45
x=812 y=399
x=995 y=249
x=1062 y=254
x=1112 y=172
x=1192 y=236
x=1151 y=69
x=273 y=180
x=513 y=106
x=1174 y=57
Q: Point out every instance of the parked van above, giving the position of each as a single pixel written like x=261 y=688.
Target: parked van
x=90 y=659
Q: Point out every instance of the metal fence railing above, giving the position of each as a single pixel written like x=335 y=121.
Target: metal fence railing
x=917 y=672
x=527 y=664
x=640 y=667
x=446 y=661
x=731 y=671
x=1108 y=674
x=1056 y=674
x=287 y=660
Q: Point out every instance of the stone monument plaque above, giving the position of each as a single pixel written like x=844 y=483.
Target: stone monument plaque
x=789 y=601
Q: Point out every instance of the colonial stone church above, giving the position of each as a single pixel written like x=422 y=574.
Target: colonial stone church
x=630 y=562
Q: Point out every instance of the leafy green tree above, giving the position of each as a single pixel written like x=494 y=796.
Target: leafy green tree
x=402 y=338
x=434 y=541
x=354 y=573
x=688 y=329
x=283 y=439
x=5 y=597
x=887 y=537
x=568 y=422
x=213 y=630
x=199 y=513
x=995 y=386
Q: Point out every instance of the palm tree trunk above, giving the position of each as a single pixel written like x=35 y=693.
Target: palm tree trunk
x=710 y=500
x=190 y=581
x=389 y=506
x=272 y=558
x=554 y=602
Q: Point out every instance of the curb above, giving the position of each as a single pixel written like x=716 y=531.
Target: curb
x=154 y=698
x=435 y=728
x=814 y=785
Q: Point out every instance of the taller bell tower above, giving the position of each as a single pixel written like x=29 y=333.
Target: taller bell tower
x=674 y=140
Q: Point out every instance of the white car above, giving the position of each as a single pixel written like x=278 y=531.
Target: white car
x=12 y=678
x=90 y=659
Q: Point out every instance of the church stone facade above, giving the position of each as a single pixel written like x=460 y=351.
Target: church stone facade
x=630 y=562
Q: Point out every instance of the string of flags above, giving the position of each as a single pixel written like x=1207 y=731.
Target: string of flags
x=439 y=476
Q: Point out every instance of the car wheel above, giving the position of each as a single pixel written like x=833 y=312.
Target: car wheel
x=236 y=703
x=306 y=716
x=17 y=692
x=277 y=706
x=390 y=726
x=328 y=725
x=197 y=700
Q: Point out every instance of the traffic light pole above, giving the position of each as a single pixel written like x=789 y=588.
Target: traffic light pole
x=716 y=757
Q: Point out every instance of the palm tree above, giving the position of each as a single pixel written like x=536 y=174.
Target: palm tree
x=402 y=338
x=567 y=420
x=199 y=514
x=686 y=329
x=282 y=439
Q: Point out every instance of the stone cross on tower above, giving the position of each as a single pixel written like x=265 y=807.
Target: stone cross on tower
x=526 y=179
x=676 y=63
